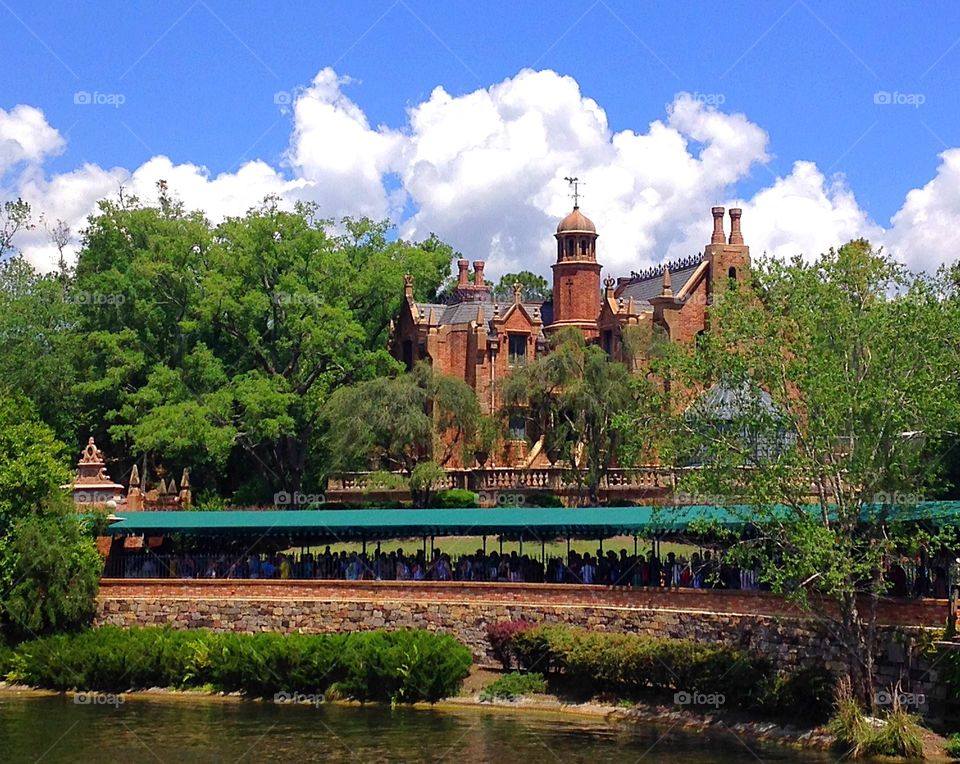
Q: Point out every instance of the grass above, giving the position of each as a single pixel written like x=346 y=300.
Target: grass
x=514 y=685
x=896 y=734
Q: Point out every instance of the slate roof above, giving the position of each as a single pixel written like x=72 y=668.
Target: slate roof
x=647 y=284
x=465 y=312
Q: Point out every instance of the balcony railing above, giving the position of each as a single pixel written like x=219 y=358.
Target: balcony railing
x=641 y=481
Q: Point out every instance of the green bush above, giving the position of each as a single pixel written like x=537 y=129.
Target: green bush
x=455 y=498
x=600 y=662
x=806 y=694
x=396 y=666
x=953 y=746
x=514 y=685
x=541 y=499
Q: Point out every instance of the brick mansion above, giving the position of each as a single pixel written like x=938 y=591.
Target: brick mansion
x=480 y=340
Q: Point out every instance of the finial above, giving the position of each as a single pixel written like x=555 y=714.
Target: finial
x=185 y=478
x=575 y=182
x=608 y=283
x=517 y=292
x=667 y=290
x=408 y=286
x=134 y=477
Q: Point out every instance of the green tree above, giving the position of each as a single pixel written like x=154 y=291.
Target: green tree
x=49 y=566
x=401 y=423
x=221 y=345
x=576 y=397
x=40 y=346
x=535 y=288
x=830 y=384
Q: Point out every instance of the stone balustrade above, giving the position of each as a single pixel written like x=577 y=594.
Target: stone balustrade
x=642 y=483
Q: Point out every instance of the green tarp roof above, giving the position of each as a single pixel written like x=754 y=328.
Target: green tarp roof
x=528 y=523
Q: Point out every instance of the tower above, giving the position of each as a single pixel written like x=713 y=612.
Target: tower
x=728 y=257
x=576 y=274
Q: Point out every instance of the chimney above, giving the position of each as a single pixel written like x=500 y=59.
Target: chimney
x=478 y=273
x=463 y=279
x=735 y=236
x=718 y=237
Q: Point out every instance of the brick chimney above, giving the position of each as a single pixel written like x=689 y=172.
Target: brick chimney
x=463 y=278
x=478 y=274
x=736 y=237
x=717 y=237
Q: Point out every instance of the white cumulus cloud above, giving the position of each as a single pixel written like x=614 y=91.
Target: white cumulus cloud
x=485 y=171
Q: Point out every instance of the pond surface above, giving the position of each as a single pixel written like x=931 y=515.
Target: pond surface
x=56 y=729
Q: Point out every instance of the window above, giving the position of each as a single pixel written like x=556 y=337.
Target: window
x=518 y=427
x=732 y=273
x=518 y=349
x=607 y=342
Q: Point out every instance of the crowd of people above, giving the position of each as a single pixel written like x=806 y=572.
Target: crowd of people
x=612 y=569
x=706 y=570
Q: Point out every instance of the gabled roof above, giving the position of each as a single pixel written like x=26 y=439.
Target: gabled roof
x=465 y=312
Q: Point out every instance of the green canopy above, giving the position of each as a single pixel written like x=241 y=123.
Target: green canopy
x=526 y=523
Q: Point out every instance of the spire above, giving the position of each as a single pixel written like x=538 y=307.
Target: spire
x=667 y=290
x=134 y=477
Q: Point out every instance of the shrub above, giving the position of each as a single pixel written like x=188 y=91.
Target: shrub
x=397 y=666
x=455 y=498
x=514 y=685
x=953 y=745
x=500 y=636
x=627 y=663
x=541 y=499
x=807 y=694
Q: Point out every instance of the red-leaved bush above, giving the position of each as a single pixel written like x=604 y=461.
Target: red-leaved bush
x=500 y=636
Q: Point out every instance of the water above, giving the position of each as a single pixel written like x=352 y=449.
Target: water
x=55 y=729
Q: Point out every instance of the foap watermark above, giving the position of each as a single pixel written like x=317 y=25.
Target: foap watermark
x=298 y=698
x=897 y=498
x=283 y=98
x=895 y=698
x=83 y=297
x=696 y=698
x=501 y=498
x=298 y=498
x=300 y=298
x=896 y=98
x=707 y=99
x=98 y=699
x=96 y=98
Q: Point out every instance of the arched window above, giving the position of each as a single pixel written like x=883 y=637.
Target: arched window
x=732 y=273
x=583 y=247
x=570 y=250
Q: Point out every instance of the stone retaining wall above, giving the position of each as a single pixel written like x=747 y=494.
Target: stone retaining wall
x=754 y=621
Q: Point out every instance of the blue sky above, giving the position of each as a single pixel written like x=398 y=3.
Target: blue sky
x=198 y=80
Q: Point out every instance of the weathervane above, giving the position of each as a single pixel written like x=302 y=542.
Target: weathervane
x=575 y=182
